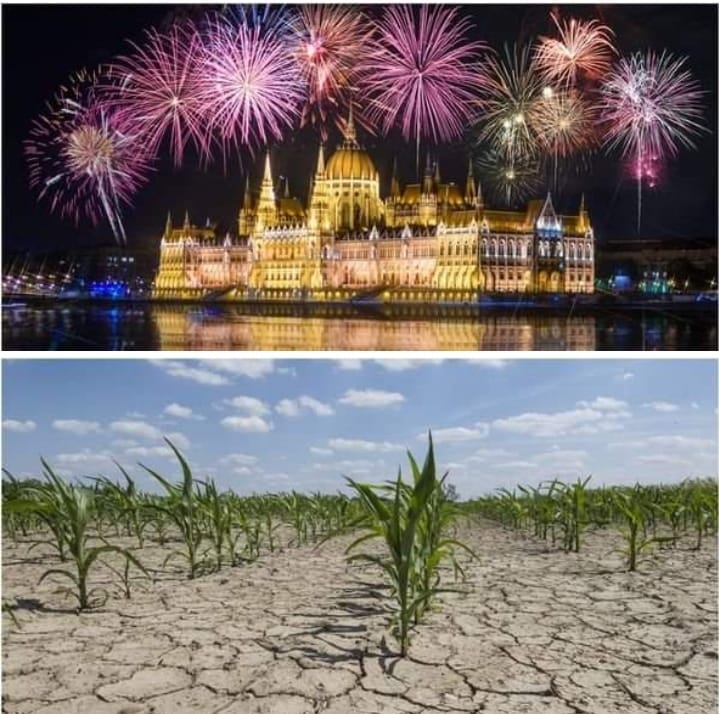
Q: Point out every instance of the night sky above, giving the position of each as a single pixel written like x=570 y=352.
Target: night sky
x=43 y=45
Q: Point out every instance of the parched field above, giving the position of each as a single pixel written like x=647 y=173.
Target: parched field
x=300 y=631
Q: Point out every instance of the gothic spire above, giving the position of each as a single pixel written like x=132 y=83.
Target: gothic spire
x=186 y=224
x=427 y=185
x=470 y=190
x=394 y=186
x=350 y=131
x=168 y=224
x=246 y=199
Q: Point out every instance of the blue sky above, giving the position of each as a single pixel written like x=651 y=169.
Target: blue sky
x=277 y=425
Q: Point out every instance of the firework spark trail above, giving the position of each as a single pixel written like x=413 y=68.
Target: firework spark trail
x=248 y=84
x=82 y=159
x=511 y=92
x=423 y=73
x=584 y=48
x=154 y=91
x=508 y=183
x=328 y=43
x=650 y=106
x=564 y=125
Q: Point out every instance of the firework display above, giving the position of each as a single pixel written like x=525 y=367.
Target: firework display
x=233 y=82
x=328 y=43
x=584 y=49
x=155 y=91
x=423 y=73
x=650 y=106
x=82 y=159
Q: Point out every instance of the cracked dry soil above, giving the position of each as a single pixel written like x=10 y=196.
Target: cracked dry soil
x=300 y=631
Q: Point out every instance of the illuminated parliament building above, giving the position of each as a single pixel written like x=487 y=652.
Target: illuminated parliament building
x=429 y=241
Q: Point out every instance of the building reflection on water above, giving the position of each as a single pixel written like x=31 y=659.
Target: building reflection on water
x=216 y=327
x=227 y=330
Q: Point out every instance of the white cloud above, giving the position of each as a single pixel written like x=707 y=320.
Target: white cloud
x=600 y=415
x=677 y=441
x=179 y=440
x=370 y=398
x=604 y=404
x=489 y=363
x=139 y=429
x=625 y=376
x=288 y=408
x=295 y=407
x=362 y=445
x=661 y=406
x=22 y=427
x=242 y=471
x=76 y=426
x=124 y=443
x=247 y=423
x=401 y=364
x=150 y=451
x=458 y=433
x=349 y=364
x=319 y=451
x=183 y=370
x=667 y=459
x=86 y=456
x=694 y=405
x=177 y=410
x=251 y=368
x=238 y=460
x=515 y=465
x=249 y=405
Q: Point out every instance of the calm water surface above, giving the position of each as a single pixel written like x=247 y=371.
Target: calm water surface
x=203 y=327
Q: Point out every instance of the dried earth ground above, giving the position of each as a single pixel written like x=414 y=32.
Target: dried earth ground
x=300 y=631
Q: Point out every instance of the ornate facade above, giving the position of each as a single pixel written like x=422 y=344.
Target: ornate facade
x=428 y=241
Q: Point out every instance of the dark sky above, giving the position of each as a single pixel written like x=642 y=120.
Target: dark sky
x=43 y=45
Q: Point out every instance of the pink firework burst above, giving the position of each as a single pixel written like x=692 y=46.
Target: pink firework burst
x=328 y=43
x=650 y=106
x=81 y=157
x=248 y=83
x=154 y=90
x=584 y=48
x=423 y=74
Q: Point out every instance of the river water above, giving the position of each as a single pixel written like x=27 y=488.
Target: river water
x=145 y=326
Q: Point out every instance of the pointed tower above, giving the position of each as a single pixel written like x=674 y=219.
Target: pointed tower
x=186 y=225
x=437 y=177
x=547 y=221
x=350 y=130
x=168 y=225
x=583 y=222
x=427 y=183
x=267 y=205
x=394 y=190
x=319 y=214
x=469 y=190
x=246 y=219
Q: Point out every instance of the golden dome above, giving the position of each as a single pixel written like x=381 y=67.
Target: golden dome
x=351 y=162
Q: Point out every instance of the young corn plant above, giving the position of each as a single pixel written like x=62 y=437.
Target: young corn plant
x=405 y=519
x=632 y=507
x=218 y=519
x=181 y=508
x=73 y=508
